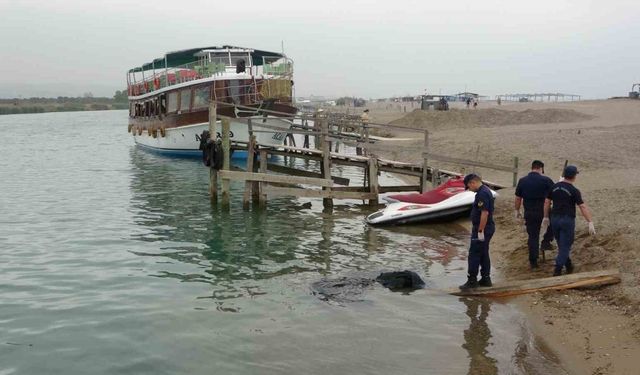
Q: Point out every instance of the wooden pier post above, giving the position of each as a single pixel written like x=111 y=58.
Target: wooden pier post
x=262 y=197
x=248 y=185
x=327 y=203
x=373 y=180
x=226 y=163
x=213 y=174
x=515 y=171
x=425 y=165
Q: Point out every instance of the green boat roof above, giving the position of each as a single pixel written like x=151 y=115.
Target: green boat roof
x=186 y=56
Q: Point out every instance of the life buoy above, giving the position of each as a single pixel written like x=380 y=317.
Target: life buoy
x=163 y=131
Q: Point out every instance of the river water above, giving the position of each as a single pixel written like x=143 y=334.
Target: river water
x=113 y=261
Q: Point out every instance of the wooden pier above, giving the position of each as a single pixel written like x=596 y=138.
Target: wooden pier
x=322 y=132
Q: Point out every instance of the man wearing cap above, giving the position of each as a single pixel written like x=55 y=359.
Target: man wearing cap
x=482 y=230
x=565 y=198
x=531 y=192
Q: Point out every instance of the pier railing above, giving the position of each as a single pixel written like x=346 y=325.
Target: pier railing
x=161 y=77
x=321 y=131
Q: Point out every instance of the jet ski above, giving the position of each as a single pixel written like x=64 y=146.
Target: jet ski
x=446 y=202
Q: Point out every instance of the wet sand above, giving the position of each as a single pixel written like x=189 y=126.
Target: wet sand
x=593 y=331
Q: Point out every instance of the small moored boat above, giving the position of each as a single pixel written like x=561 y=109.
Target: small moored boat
x=446 y=202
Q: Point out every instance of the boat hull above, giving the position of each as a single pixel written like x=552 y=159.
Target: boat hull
x=441 y=215
x=185 y=140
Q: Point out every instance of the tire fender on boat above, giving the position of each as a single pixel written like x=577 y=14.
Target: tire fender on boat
x=163 y=132
x=218 y=155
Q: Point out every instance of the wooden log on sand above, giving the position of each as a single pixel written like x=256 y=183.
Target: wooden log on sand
x=514 y=288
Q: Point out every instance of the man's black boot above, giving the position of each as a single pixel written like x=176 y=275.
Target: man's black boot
x=557 y=271
x=569 y=266
x=534 y=265
x=471 y=283
x=545 y=246
x=485 y=281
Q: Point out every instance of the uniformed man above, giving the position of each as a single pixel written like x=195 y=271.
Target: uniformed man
x=482 y=230
x=565 y=197
x=531 y=192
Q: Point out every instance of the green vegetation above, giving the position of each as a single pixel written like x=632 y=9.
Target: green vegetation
x=64 y=104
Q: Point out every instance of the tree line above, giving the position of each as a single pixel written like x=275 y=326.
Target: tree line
x=86 y=102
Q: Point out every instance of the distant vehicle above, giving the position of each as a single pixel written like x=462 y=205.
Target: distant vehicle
x=439 y=102
x=522 y=100
x=635 y=94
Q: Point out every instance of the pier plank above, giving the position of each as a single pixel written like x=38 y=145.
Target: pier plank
x=299 y=172
x=513 y=288
x=277 y=191
x=263 y=177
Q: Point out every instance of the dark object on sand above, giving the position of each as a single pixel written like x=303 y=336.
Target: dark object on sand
x=400 y=280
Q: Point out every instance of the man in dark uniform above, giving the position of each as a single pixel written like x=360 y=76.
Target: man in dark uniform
x=482 y=230
x=531 y=192
x=565 y=198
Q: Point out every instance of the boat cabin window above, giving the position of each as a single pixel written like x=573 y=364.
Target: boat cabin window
x=220 y=59
x=239 y=59
x=185 y=100
x=201 y=97
x=172 y=102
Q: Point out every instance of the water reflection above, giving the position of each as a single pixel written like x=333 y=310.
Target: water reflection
x=233 y=250
x=477 y=337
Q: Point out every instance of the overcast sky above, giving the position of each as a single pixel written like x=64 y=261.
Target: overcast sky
x=362 y=48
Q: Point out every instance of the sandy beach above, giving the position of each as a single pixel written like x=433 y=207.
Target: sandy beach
x=592 y=331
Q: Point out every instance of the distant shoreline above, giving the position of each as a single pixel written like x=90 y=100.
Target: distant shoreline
x=61 y=104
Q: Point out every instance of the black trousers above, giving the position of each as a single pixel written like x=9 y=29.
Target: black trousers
x=478 y=258
x=533 y=221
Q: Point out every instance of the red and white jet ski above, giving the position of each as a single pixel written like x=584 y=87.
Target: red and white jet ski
x=446 y=202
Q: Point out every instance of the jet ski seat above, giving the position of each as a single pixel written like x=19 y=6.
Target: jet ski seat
x=451 y=187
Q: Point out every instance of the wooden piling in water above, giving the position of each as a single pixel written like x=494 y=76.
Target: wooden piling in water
x=248 y=185
x=262 y=197
x=373 y=181
x=213 y=173
x=226 y=164
x=327 y=203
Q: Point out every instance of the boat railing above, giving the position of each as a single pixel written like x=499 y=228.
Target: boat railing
x=271 y=68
